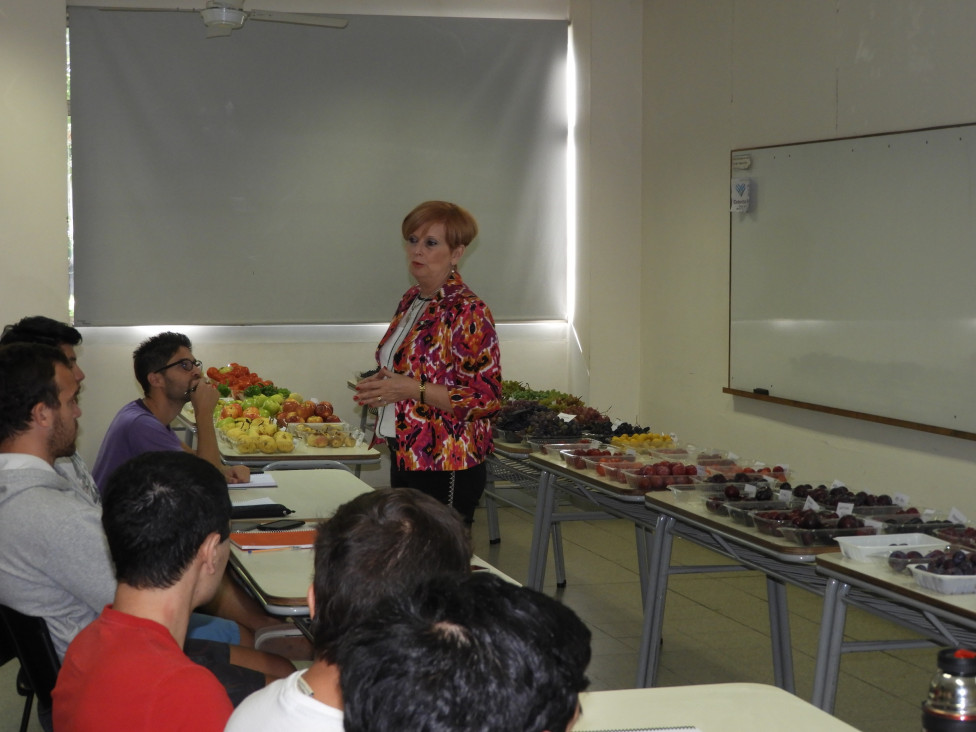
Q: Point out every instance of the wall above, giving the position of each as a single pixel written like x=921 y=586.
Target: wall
x=320 y=360
x=726 y=74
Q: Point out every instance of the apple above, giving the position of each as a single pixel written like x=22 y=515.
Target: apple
x=323 y=409
x=252 y=412
x=289 y=405
x=332 y=418
x=315 y=418
x=306 y=410
x=293 y=417
x=231 y=410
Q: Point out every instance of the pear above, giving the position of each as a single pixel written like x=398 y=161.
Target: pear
x=266 y=444
x=284 y=442
x=246 y=445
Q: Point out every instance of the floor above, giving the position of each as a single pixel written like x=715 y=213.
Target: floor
x=715 y=628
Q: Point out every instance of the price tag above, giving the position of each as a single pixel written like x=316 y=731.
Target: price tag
x=810 y=505
x=956 y=516
x=900 y=500
x=749 y=491
x=785 y=494
x=928 y=514
x=838 y=484
x=845 y=509
x=566 y=417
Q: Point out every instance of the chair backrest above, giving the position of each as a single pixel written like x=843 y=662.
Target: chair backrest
x=32 y=644
x=307 y=465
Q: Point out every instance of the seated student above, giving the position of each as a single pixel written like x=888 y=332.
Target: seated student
x=167 y=519
x=377 y=545
x=170 y=377
x=465 y=654
x=50 y=332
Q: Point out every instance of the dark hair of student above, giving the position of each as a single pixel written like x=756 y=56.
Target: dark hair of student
x=378 y=544
x=158 y=508
x=474 y=654
x=154 y=353
x=26 y=379
x=40 y=329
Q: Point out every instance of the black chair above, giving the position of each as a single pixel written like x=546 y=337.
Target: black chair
x=29 y=640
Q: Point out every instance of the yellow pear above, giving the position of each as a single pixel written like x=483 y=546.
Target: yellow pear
x=284 y=442
x=246 y=445
x=266 y=444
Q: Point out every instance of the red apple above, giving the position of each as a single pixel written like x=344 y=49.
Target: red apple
x=306 y=410
x=332 y=418
x=323 y=409
x=314 y=418
x=293 y=417
x=289 y=405
x=231 y=410
x=252 y=413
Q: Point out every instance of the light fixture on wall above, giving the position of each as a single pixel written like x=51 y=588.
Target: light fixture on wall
x=220 y=21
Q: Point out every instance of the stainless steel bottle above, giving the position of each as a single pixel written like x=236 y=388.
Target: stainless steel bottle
x=951 y=703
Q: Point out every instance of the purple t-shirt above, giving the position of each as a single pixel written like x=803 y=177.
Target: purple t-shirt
x=134 y=430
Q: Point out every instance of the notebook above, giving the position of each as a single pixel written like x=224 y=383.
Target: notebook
x=263 y=540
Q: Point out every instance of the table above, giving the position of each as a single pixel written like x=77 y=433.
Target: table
x=660 y=516
x=948 y=620
x=781 y=561
x=355 y=457
x=582 y=487
x=509 y=463
x=709 y=707
x=279 y=580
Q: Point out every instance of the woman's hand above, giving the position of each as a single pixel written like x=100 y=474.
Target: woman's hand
x=385 y=387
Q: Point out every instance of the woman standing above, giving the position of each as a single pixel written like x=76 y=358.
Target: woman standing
x=439 y=377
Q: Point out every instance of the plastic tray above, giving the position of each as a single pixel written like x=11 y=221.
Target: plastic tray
x=947 y=584
x=865 y=548
x=743 y=512
x=822 y=537
x=960 y=535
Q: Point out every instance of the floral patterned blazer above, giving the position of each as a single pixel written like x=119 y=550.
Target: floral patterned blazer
x=453 y=344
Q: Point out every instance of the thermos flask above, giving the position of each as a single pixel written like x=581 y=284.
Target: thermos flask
x=951 y=703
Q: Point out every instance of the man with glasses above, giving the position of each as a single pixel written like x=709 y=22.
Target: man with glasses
x=170 y=377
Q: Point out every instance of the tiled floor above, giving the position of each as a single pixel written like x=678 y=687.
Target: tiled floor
x=715 y=628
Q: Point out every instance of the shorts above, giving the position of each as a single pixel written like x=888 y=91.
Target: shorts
x=208 y=627
x=215 y=657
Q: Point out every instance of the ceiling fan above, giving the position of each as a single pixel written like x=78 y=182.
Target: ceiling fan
x=225 y=16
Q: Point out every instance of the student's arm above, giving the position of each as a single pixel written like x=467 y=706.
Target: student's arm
x=204 y=399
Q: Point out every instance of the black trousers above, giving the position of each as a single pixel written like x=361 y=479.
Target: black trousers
x=460 y=489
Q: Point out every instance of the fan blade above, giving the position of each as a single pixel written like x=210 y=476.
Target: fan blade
x=297 y=18
x=151 y=10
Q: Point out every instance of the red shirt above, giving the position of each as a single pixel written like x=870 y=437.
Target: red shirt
x=128 y=674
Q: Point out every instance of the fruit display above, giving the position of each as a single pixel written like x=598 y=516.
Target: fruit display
x=574 y=458
x=660 y=475
x=900 y=560
x=952 y=563
x=235 y=380
x=962 y=535
x=254 y=435
x=840 y=494
x=830 y=529
x=771 y=521
x=330 y=435
x=642 y=441
x=296 y=410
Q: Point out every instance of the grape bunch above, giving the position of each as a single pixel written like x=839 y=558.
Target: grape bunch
x=548 y=424
x=516 y=415
x=626 y=428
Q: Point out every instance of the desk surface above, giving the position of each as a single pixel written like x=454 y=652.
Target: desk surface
x=709 y=707
x=280 y=579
